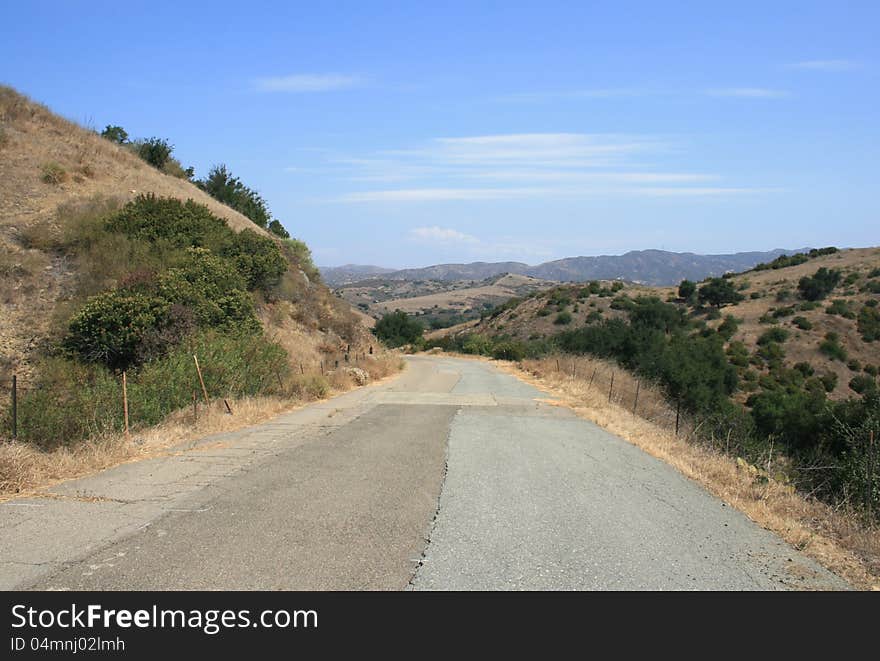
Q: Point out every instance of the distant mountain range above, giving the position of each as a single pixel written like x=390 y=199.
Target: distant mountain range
x=651 y=267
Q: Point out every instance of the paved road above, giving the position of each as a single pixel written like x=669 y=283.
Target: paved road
x=452 y=476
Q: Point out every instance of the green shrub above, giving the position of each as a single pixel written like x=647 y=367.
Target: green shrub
x=862 y=384
x=831 y=347
x=829 y=381
x=869 y=323
x=728 y=327
x=397 y=328
x=212 y=290
x=169 y=223
x=115 y=134
x=871 y=287
x=783 y=312
x=803 y=323
x=477 y=344
x=773 y=335
x=111 y=327
x=257 y=258
x=509 y=350
x=819 y=285
x=277 y=229
x=544 y=312
x=840 y=307
x=871 y=370
x=222 y=186
x=563 y=319
x=155 y=151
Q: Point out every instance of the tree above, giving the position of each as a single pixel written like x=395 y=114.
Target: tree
x=224 y=187
x=718 y=292
x=278 y=229
x=115 y=134
x=398 y=328
x=155 y=151
x=686 y=289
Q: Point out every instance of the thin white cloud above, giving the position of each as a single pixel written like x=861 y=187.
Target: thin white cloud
x=301 y=83
x=472 y=194
x=521 y=166
x=606 y=93
x=825 y=65
x=748 y=92
x=435 y=234
x=442 y=194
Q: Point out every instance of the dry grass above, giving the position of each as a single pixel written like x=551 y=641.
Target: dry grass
x=836 y=539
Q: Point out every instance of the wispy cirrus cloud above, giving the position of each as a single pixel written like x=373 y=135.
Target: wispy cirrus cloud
x=435 y=234
x=524 y=166
x=302 y=83
x=825 y=65
x=748 y=92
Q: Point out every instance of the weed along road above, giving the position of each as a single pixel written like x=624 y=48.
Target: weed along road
x=451 y=476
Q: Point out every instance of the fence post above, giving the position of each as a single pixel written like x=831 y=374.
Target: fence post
x=677 y=415
x=201 y=380
x=322 y=368
x=636 y=403
x=869 y=486
x=592 y=376
x=611 y=389
x=557 y=364
x=125 y=405
x=302 y=369
x=228 y=408
x=14 y=407
x=195 y=407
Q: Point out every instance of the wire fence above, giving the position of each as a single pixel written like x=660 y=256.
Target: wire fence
x=731 y=435
x=107 y=407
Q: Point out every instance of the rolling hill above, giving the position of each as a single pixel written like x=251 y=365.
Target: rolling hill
x=58 y=181
x=651 y=267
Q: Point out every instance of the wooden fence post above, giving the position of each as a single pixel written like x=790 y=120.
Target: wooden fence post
x=557 y=364
x=636 y=403
x=14 y=407
x=195 y=407
x=611 y=389
x=201 y=380
x=592 y=376
x=677 y=415
x=125 y=405
x=869 y=486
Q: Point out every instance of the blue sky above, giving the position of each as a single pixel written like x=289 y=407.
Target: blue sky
x=406 y=134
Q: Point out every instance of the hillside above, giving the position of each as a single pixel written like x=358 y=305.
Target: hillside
x=73 y=208
x=337 y=276
x=781 y=362
x=770 y=300
x=438 y=303
x=652 y=267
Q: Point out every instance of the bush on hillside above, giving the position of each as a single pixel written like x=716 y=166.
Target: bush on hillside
x=819 y=285
x=155 y=151
x=115 y=134
x=224 y=187
x=397 y=328
x=257 y=258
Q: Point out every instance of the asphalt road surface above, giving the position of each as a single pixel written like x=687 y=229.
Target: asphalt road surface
x=451 y=476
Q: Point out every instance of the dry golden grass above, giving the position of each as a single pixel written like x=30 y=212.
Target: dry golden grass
x=836 y=539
